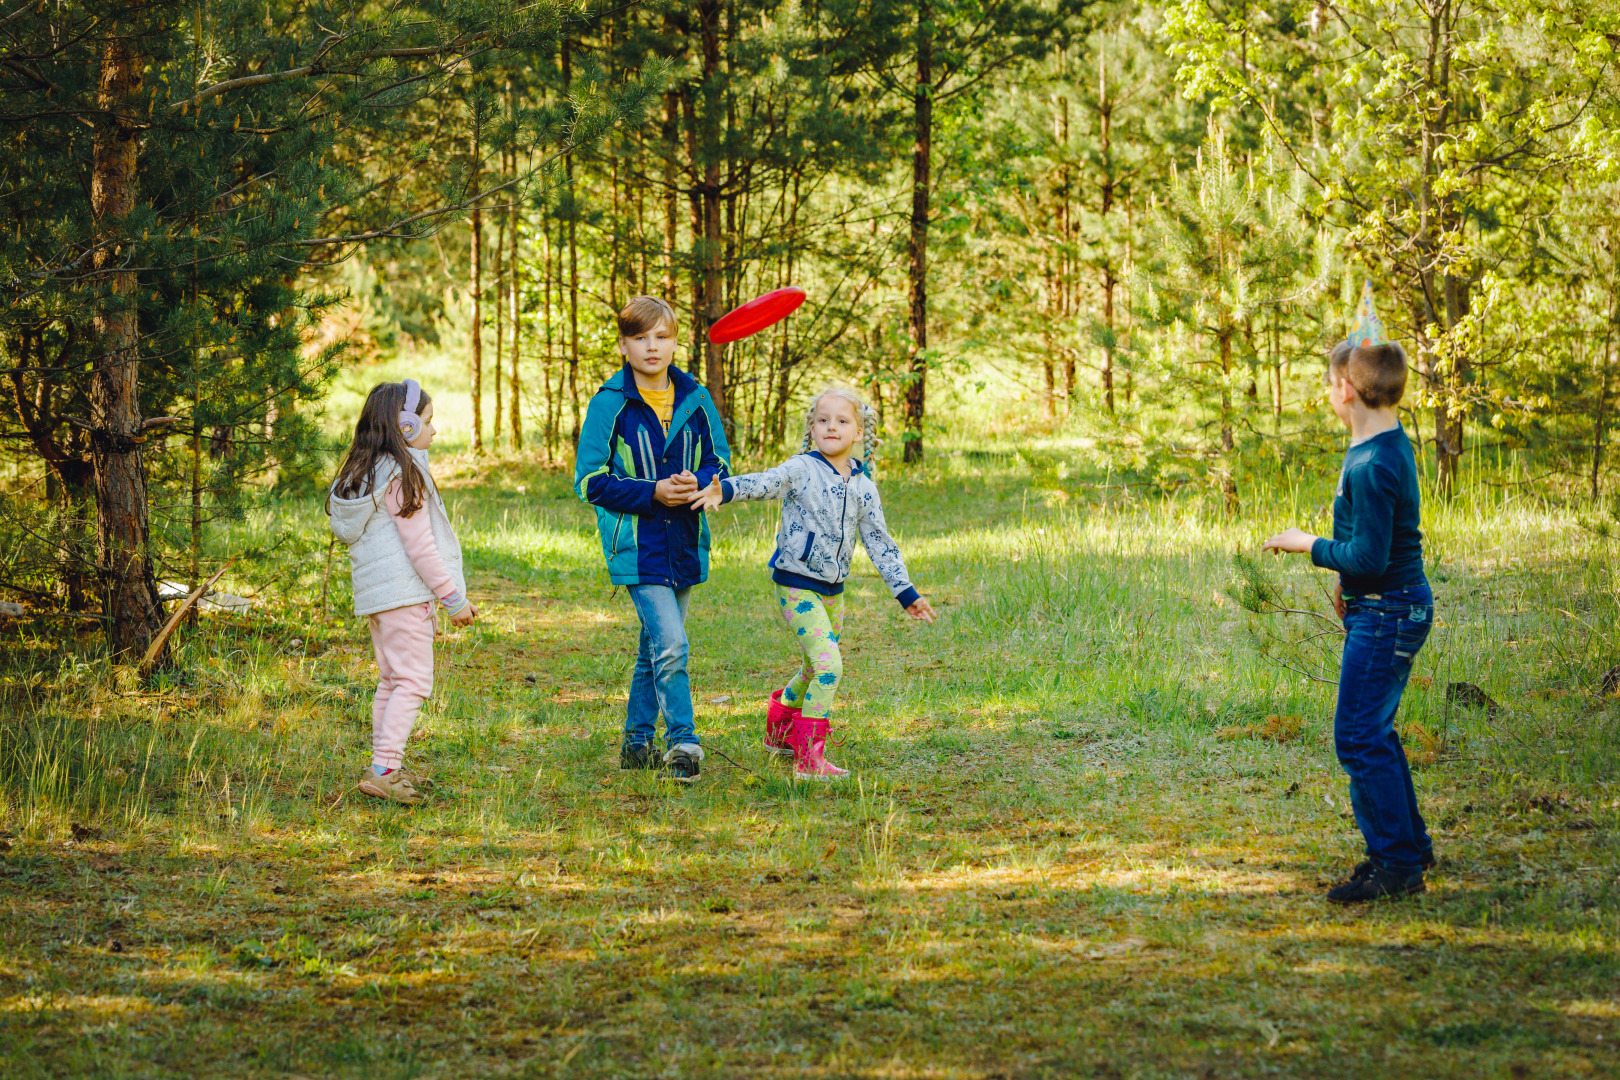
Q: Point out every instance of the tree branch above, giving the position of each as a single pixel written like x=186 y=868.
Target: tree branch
x=315 y=67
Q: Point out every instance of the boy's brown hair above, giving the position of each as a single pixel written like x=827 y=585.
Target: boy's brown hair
x=644 y=313
x=1378 y=372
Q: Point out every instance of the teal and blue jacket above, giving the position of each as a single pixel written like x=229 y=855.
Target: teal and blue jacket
x=623 y=453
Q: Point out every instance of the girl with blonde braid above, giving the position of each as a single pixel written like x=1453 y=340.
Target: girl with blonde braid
x=828 y=500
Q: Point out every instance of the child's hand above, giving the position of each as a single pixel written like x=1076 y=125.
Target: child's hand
x=1338 y=600
x=468 y=614
x=1296 y=540
x=921 y=609
x=676 y=490
x=710 y=497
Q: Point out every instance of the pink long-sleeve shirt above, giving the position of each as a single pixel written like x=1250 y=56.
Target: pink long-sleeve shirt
x=416 y=533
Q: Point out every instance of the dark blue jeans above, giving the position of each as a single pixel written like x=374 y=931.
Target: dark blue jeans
x=1383 y=633
x=660 y=684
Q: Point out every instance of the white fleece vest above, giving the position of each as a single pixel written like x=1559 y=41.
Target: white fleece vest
x=383 y=576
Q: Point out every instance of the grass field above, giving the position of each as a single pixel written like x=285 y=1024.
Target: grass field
x=1067 y=852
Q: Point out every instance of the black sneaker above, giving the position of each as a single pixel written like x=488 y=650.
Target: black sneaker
x=1365 y=869
x=1377 y=885
x=682 y=763
x=638 y=756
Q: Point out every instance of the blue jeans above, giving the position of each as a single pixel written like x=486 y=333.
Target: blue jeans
x=1383 y=633
x=659 y=683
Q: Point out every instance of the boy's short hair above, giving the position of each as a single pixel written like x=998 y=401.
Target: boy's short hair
x=644 y=313
x=1378 y=372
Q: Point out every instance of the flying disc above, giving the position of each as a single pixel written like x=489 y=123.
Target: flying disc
x=756 y=315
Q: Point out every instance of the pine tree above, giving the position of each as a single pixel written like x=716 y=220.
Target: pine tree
x=228 y=151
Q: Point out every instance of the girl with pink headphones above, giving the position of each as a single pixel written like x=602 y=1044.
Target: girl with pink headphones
x=403 y=556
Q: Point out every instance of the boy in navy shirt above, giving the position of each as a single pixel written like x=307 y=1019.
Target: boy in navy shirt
x=1385 y=602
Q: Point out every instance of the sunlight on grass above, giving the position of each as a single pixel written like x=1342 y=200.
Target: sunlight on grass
x=1047 y=840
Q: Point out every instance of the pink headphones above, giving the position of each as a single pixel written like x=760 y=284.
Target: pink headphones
x=410 y=425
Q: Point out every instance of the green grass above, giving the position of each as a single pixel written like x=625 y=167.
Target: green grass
x=1052 y=863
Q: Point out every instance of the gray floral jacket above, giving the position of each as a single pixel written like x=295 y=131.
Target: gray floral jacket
x=822 y=514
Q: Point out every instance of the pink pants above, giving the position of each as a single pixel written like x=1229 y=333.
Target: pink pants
x=403 y=642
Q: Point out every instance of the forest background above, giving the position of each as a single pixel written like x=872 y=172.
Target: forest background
x=1130 y=227
x=1133 y=227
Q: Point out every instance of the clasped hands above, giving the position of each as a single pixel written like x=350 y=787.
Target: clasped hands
x=682 y=490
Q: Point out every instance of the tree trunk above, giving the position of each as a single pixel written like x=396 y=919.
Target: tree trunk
x=714 y=356
x=196 y=578
x=917 y=315
x=642 y=284
x=1108 y=349
x=553 y=398
x=1067 y=230
x=1053 y=313
x=130 y=603
x=671 y=134
x=1105 y=119
x=573 y=261
x=1226 y=391
x=1444 y=293
x=476 y=286
x=776 y=406
x=1276 y=371
x=877 y=377
x=1448 y=417
x=500 y=322
x=516 y=294
x=1228 y=482
x=613 y=231
x=1602 y=413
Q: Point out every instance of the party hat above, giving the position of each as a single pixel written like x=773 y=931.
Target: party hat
x=1369 y=328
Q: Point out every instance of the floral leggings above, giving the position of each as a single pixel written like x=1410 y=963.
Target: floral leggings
x=816 y=622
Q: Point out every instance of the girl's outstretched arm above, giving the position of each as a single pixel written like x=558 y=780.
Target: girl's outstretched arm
x=885 y=555
x=777 y=483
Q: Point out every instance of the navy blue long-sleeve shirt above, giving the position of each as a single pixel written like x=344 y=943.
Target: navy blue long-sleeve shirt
x=1377 y=546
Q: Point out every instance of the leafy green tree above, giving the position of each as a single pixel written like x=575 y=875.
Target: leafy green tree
x=1413 y=121
x=1225 y=255
x=225 y=153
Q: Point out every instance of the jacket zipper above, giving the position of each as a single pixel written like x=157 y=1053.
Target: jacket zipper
x=843 y=523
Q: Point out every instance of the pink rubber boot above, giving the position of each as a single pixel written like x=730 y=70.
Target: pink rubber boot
x=779 y=720
x=809 y=751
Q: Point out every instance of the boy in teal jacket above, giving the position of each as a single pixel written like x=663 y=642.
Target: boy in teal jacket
x=651 y=440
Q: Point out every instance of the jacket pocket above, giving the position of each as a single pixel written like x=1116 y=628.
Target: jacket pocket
x=809 y=543
x=618 y=524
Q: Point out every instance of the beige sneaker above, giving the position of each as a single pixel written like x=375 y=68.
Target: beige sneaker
x=397 y=786
x=420 y=783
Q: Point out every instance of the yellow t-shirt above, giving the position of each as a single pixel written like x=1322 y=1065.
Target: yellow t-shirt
x=662 y=402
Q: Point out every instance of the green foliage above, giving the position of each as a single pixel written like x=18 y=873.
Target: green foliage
x=267 y=142
x=1253 y=587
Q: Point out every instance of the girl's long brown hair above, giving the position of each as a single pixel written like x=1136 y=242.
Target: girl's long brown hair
x=377 y=433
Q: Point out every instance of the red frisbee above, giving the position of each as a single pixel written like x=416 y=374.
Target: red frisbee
x=756 y=315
